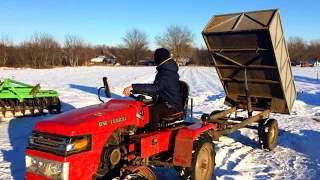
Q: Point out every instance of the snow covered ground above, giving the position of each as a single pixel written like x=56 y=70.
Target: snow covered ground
x=297 y=155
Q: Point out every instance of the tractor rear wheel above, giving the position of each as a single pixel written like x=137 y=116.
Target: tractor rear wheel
x=203 y=161
x=268 y=134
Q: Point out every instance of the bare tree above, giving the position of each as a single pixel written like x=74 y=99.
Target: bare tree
x=37 y=51
x=74 y=46
x=6 y=43
x=297 y=48
x=178 y=39
x=49 y=49
x=136 y=42
x=202 y=56
x=314 y=49
x=24 y=57
x=32 y=50
x=122 y=54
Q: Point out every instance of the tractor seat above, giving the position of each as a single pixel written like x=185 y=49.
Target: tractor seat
x=180 y=115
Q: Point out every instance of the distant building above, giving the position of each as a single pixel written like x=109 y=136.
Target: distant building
x=108 y=59
x=183 y=61
x=98 y=59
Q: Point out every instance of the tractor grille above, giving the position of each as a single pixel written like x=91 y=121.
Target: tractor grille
x=50 y=143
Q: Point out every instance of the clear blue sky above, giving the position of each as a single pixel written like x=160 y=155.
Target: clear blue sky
x=105 y=22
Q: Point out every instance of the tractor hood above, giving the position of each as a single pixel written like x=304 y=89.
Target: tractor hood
x=86 y=119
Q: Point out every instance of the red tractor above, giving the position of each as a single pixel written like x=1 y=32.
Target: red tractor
x=107 y=140
x=104 y=140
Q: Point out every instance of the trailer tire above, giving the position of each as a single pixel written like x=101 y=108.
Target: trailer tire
x=203 y=158
x=268 y=134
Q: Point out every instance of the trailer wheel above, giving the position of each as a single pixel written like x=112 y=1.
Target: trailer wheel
x=203 y=161
x=268 y=134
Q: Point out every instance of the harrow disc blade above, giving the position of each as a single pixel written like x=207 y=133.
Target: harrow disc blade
x=52 y=104
x=23 y=108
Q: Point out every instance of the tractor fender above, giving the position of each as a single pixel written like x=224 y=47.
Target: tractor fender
x=183 y=147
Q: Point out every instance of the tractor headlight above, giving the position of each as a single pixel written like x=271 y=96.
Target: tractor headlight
x=54 y=169
x=79 y=144
x=47 y=168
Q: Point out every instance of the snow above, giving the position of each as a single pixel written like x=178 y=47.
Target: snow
x=238 y=156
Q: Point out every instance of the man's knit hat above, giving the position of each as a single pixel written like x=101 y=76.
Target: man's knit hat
x=160 y=55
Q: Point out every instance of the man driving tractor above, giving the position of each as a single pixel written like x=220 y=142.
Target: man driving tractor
x=165 y=88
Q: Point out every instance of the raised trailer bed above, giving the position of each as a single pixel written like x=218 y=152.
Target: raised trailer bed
x=251 y=58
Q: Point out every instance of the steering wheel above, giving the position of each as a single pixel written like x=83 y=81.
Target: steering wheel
x=142 y=98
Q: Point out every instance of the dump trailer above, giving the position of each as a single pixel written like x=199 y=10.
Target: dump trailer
x=251 y=58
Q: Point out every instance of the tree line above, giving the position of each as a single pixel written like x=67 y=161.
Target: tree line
x=42 y=50
x=302 y=50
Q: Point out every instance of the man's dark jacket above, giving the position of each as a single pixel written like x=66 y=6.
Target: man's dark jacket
x=166 y=85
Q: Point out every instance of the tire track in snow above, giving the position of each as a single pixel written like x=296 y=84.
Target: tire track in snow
x=198 y=89
x=182 y=71
x=214 y=89
x=201 y=84
x=230 y=154
x=211 y=77
x=204 y=81
x=185 y=75
x=207 y=94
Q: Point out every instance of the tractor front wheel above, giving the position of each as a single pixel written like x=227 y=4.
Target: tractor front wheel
x=203 y=161
x=110 y=159
x=268 y=134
